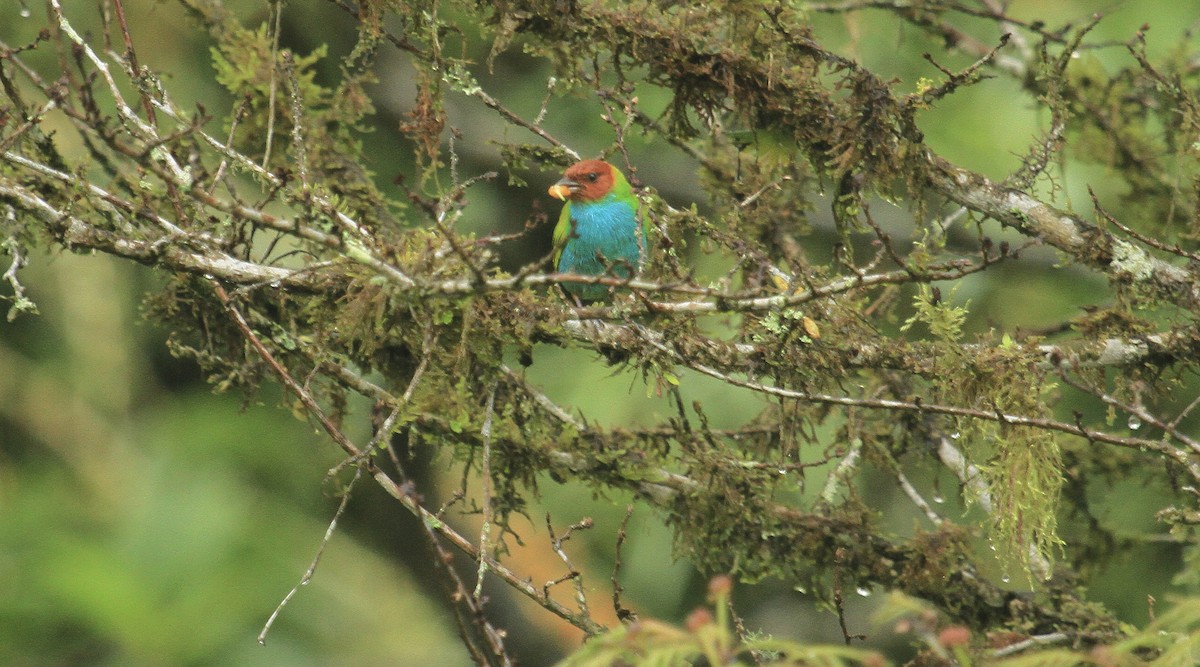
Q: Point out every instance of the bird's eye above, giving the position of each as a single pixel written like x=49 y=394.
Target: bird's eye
x=592 y=177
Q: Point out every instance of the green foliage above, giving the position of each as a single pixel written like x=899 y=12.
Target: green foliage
x=945 y=320
x=271 y=95
x=1024 y=468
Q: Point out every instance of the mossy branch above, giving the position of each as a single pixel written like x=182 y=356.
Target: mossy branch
x=863 y=361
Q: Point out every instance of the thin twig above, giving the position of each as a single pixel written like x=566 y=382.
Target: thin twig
x=119 y=5
x=1137 y=411
x=306 y=398
x=272 y=86
x=624 y=614
x=299 y=147
x=406 y=498
x=1035 y=640
x=485 y=433
x=556 y=543
x=21 y=303
x=841 y=475
x=1174 y=454
x=915 y=497
x=494 y=104
x=312 y=568
x=839 y=600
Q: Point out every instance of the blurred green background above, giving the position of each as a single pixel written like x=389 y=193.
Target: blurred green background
x=146 y=521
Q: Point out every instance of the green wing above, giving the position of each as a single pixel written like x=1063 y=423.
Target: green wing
x=562 y=232
x=624 y=192
x=643 y=216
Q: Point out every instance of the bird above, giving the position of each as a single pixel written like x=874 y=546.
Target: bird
x=599 y=231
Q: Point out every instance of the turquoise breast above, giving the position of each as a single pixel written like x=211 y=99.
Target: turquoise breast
x=605 y=239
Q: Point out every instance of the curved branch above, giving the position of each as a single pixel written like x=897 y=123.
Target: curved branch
x=1084 y=242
